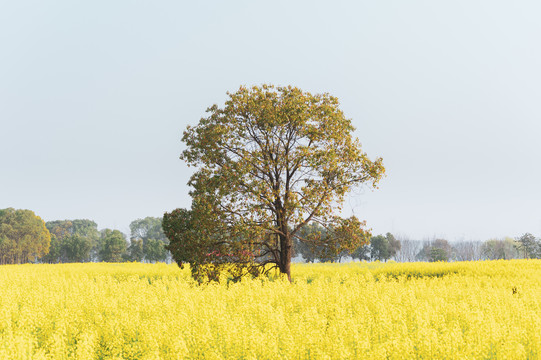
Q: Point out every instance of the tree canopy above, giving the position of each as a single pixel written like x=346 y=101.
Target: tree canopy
x=112 y=245
x=23 y=236
x=269 y=162
x=72 y=241
x=383 y=248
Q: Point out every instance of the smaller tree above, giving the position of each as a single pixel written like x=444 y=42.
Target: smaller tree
x=72 y=241
x=437 y=254
x=382 y=248
x=361 y=253
x=185 y=243
x=379 y=248
x=135 y=250
x=437 y=250
x=330 y=244
x=88 y=230
x=55 y=251
x=529 y=246
x=195 y=239
x=394 y=245
x=8 y=249
x=149 y=230
x=308 y=252
x=155 y=250
x=23 y=236
x=315 y=246
x=303 y=249
x=113 y=245
x=77 y=248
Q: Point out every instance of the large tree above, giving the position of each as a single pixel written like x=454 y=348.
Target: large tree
x=269 y=162
x=23 y=236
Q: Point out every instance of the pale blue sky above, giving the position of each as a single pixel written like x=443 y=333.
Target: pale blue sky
x=94 y=97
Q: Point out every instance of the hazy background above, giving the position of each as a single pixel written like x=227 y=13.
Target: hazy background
x=94 y=97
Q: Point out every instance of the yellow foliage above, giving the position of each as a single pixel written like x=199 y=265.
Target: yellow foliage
x=462 y=310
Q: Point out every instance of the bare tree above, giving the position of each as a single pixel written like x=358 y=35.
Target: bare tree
x=467 y=250
x=409 y=249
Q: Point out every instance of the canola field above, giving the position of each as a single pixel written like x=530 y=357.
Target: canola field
x=468 y=310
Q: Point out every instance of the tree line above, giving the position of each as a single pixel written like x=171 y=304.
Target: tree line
x=386 y=247
x=526 y=246
x=25 y=237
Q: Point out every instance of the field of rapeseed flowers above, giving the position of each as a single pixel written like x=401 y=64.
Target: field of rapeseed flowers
x=469 y=310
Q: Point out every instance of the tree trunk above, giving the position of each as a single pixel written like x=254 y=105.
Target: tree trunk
x=285 y=240
x=285 y=256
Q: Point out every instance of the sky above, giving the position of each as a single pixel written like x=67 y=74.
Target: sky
x=95 y=95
